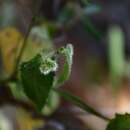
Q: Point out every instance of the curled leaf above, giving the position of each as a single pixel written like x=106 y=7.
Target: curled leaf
x=67 y=52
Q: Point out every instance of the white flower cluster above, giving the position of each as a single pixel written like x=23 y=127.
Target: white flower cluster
x=48 y=65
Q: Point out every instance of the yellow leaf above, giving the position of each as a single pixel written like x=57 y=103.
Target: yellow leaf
x=9 y=39
x=26 y=122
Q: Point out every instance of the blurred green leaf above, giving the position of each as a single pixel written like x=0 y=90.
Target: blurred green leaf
x=17 y=91
x=89 y=27
x=116 y=50
x=67 y=14
x=120 y=122
x=36 y=84
x=52 y=103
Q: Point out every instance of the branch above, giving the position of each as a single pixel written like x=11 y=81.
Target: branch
x=35 y=13
x=79 y=103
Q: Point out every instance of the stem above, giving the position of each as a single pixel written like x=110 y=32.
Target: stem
x=35 y=13
x=79 y=103
x=24 y=44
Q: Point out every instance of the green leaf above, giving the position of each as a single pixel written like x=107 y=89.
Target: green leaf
x=120 y=122
x=79 y=103
x=67 y=52
x=37 y=84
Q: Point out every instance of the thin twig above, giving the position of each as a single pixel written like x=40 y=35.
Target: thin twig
x=79 y=103
x=35 y=13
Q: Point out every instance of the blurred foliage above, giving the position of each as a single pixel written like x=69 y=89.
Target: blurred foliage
x=52 y=104
x=119 y=65
x=120 y=122
x=40 y=71
x=22 y=119
x=72 y=13
x=116 y=49
x=67 y=14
